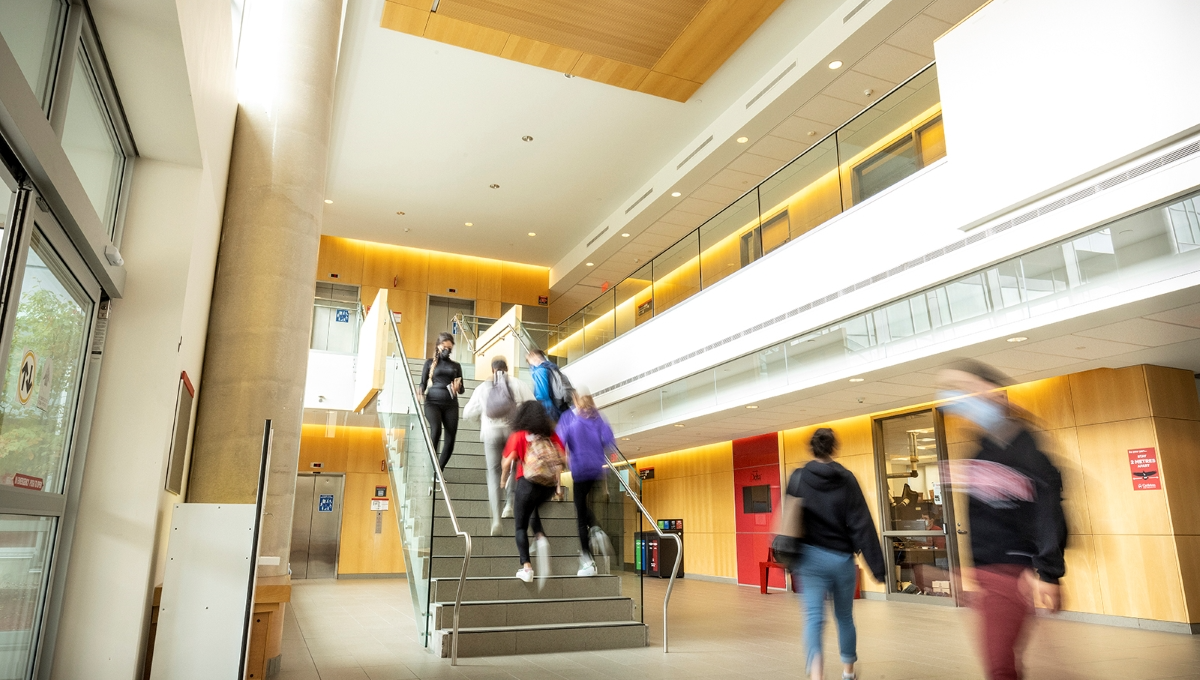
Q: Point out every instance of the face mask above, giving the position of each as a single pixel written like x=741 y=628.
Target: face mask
x=985 y=413
x=445 y=353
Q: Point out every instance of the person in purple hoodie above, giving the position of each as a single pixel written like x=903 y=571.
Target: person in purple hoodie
x=588 y=439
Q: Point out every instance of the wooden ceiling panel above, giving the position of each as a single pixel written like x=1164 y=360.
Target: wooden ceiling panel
x=667 y=48
x=632 y=31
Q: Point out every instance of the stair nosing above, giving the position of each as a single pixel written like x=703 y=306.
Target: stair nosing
x=546 y=626
x=594 y=598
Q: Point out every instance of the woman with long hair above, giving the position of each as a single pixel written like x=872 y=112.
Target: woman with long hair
x=537 y=456
x=836 y=525
x=589 y=439
x=441 y=383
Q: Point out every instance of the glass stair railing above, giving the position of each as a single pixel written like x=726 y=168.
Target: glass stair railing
x=414 y=472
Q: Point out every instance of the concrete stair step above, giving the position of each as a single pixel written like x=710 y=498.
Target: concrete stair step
x=482 y=526
x=465 y=475
x=492 y=588
x=447 y=565
x=483 y=545
x=534 y=612
x=542 y=639
x=479 y=508
x=465 y=492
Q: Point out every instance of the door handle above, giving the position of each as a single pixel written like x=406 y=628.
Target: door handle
x=961 y=532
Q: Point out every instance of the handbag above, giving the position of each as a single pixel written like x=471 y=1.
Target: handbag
x=789 y=529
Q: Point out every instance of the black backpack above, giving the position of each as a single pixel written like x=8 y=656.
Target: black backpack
x=561 y=391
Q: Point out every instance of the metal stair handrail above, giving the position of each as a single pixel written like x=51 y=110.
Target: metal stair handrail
x=661 y=534
x=441 y=480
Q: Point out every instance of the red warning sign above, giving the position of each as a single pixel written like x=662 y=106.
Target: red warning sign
x=1143 y=463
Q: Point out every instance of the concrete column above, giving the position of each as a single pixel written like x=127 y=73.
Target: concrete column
x=258 y=333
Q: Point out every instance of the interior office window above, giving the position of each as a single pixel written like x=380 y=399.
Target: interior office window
x=900 y=159
x=756 y=499
x=32 y=29
x=90 y=141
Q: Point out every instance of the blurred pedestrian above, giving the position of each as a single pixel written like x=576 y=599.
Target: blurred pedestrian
x=589 y=439
x=494 y=403
x=836 y=525
x=1018 y=530
x=537 y=457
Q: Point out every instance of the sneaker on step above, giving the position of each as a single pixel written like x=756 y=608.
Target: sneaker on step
x=543 y=560
x=496 y=528
x=507 y=512
x=588 y=569
x=525 y=574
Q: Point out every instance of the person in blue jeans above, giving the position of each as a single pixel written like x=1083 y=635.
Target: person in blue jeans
x=837 y=525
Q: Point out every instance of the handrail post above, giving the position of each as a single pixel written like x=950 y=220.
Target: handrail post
x=661 y=534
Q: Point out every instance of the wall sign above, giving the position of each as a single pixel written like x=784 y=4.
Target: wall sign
x=325 y=502
x=646 y=473
x=26 y=376
x=381 y=492
x=26 y=482
x=341 y=316
x=379 y=504
x=543 y=300
x=1143 y=464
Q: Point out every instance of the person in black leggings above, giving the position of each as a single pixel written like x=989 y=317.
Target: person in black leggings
x=441 y=383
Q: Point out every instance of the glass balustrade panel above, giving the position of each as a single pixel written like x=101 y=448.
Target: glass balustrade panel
x=677 y=273
x=731 y=240
x=801 y=196
x=634 y=300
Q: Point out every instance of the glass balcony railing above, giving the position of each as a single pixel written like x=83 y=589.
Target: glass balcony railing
x=1143 y=249
x=893 y=139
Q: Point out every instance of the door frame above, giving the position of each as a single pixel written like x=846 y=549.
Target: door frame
x=956 y=598
x=337 y=556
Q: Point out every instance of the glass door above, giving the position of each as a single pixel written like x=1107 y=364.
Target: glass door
x=916 y=511
x=48 y=302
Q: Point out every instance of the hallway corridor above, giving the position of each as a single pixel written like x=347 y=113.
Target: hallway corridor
x=363 y=629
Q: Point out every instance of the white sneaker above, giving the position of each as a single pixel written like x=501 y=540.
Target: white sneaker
x=507 y=511
x=496 y=527
x=543 y=560
x=588 y=569
x=525 y=574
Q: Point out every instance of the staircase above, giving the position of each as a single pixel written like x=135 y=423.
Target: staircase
x=501 y=615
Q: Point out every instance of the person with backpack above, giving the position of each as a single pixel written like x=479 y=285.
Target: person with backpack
x=441 y=383
x=589 y=439
x=537 y=457
x=550 y=387
x=836 y=524
x=494 y=403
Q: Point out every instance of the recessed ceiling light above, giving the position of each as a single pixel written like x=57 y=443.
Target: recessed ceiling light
x=835 y=64
x=527 y=138
x=399 y=212
x=569 y=75
x=812 y=133
x=329 y=200
x=857 y=379
x=742 y=140
x=493 y=186
x=676 y=194
x=533 y=233
x=624 y=439
x=678 y=424
x=1019 y=338
x=625 y=235
x=589 y=264
x=752 y=406
x=469 y=224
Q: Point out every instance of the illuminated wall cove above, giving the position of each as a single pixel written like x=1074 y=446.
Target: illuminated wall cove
x=897 y=137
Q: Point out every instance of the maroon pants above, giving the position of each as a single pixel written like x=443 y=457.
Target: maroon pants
x=1004 y=607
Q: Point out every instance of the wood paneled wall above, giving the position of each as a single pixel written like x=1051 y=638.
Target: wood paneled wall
x=359 y=453
x=696 y=485
x=1131 y=553
x=411 y=275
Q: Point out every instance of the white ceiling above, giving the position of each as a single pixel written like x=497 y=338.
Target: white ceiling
x=424 y=127
x=1163 y=331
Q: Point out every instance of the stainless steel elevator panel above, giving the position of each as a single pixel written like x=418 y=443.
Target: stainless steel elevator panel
x=301 y=525
x=316 y=526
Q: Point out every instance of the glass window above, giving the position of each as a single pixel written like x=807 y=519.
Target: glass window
x=729 y=241
x=25 y=545
x=598 y=321
x=677 y=273
x=635 y=303
x=32 y=29
x=90 y=142
x=43 y=375
x=807 y=190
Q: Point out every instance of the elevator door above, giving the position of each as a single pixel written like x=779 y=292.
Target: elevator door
x=438 y=320
x=316 y=525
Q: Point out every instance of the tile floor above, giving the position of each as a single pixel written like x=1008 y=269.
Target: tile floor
x=364 y=629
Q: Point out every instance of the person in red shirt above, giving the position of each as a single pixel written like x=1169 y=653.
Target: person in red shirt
x=539 y=458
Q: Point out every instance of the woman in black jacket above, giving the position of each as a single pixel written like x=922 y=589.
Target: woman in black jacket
x=837 y=525
x=441 y=383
